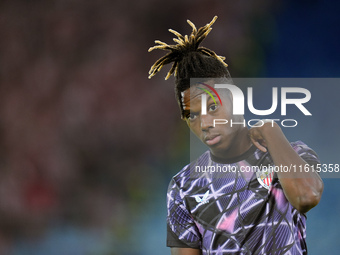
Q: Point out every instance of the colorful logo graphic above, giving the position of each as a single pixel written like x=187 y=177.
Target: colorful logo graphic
x=202 y=199
x=209 y=93
x=265 y=178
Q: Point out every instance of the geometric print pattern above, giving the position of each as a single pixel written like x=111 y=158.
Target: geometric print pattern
x=231 y=212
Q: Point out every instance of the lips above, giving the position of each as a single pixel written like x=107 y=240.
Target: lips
x=212 y=139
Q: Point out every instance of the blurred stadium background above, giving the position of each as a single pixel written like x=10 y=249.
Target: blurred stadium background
x=88 y=144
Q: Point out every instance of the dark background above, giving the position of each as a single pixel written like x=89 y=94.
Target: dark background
x=88 y=144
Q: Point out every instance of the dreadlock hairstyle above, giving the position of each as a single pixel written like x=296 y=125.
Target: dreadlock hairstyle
x=189 y=60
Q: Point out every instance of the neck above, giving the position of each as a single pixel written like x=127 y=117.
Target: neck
x=240 y=144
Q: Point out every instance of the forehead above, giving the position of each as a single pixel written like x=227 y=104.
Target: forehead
x=191 y=94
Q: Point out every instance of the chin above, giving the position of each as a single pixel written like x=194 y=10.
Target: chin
x=217 y=149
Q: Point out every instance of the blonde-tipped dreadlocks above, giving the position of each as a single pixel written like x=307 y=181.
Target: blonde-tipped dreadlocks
x=184 y=45
x=189 y=60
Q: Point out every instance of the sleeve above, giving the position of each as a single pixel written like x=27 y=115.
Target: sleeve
x=181 y=228
x=306 y=153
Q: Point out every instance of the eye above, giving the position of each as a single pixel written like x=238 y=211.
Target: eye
x=212 y=107
x=191 y=116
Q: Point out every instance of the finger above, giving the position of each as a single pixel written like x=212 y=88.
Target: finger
x=258 y=145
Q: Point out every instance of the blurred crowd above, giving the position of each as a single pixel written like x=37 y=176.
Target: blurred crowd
x=86 y=140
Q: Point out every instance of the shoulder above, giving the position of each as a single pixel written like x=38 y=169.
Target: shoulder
x=306 y=153
x=188 y=173
x=304 y=150
x=299 y=145
x=189 y=170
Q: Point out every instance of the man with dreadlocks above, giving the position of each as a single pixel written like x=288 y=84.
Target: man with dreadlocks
x=232 y=212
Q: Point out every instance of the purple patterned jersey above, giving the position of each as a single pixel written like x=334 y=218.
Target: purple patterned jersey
x=235 y=207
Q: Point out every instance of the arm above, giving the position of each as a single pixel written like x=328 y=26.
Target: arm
x=185 y=251
x=302 y=189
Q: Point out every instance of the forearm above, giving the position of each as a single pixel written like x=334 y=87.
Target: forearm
x=303 y=187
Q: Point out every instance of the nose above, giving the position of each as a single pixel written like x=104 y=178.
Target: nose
x=206 y=122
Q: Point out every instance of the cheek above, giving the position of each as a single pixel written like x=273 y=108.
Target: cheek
x=192 y=126
x=225 y=114
x=238 y=118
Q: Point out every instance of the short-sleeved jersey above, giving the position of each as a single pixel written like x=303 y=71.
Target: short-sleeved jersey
x=219 y=210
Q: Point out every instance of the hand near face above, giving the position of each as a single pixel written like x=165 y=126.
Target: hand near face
x=258 y=133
